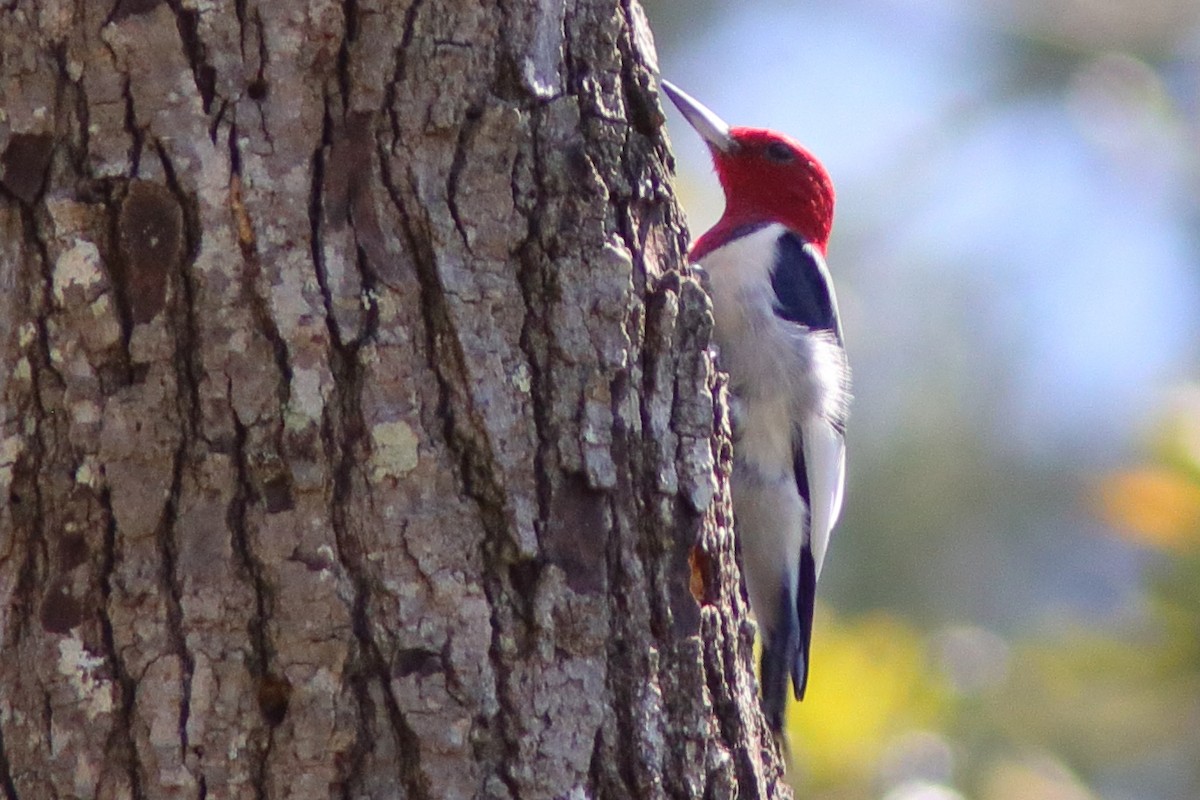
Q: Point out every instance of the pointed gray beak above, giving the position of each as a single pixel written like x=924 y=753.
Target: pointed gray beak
x=710 y=127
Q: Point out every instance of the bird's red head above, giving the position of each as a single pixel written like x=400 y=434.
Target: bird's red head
x=767 y=176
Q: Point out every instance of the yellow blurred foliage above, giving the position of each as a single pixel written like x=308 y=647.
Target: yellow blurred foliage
x=1154 y=506
x=871 y=681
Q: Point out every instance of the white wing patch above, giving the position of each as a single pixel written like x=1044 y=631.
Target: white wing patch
x=825 y=465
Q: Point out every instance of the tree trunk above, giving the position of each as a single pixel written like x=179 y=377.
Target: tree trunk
x=359 y=438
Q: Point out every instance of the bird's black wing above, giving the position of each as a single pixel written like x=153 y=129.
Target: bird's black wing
x=803 y=289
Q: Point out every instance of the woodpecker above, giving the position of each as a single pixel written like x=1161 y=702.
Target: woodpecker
x=779 y=338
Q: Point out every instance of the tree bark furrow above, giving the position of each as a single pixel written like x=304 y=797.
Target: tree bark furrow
x=6 y=775
x=26 y=495
x=119 y=749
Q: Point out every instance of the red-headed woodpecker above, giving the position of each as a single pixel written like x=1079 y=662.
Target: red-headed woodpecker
x=780 y=340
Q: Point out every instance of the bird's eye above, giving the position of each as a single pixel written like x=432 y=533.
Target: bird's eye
x=780 y=152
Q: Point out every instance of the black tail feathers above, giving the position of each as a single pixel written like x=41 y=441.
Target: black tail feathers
x=779 y=658
x=785 y=649
x=784 y=657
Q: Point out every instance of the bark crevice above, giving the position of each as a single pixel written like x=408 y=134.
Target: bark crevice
x=252 y=277
x=187 y=347
x=236 y=520
x=26 y=491
x=6 y=775
x=464 y=433
x=344 y=435
x=462 y=148
x=137 y=136
x=187 y=21
x=120 y=751
x=530 y=198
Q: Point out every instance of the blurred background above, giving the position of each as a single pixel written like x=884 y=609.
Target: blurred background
x=1012 y=601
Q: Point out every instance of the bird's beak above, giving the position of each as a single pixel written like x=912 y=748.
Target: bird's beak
x=710 y=127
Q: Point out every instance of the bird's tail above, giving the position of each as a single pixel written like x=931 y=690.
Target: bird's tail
x=782 y=659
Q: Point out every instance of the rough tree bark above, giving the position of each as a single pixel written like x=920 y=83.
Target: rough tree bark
x=357 y=424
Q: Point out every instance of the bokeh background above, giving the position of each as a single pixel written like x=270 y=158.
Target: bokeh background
x=1011 y=606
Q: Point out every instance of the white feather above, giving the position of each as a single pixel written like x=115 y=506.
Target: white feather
x=825 y=463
